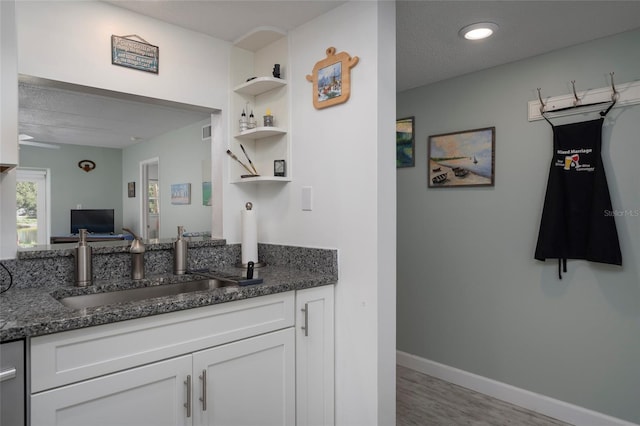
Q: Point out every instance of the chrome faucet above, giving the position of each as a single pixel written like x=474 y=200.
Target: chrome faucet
x=137 y=256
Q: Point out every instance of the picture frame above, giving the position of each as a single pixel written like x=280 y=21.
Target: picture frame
x=138 y=55
x=181 y=193
x=405 y=142
x=131 y=189
x=206 y=193
x=461 y=159
x=331 y=78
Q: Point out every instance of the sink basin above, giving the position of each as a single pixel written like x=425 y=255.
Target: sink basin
x=137 y=294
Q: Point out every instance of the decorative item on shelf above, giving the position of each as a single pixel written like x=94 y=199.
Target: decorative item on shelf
x=252 y=121
x=276 y=70
x=244 y=123
x=249 y=159
x=268 y=119
x=331 y=79
x=251 y=173
x=87 y=165
x=279 y=168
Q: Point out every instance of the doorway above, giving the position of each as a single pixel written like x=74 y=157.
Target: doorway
x=150 y=200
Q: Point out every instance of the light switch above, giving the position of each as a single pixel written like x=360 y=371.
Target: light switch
x=307 y=198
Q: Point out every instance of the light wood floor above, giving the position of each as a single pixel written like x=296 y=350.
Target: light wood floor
x=423 y=400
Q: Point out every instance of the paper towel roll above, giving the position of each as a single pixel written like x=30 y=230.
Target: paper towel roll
x=249 y=236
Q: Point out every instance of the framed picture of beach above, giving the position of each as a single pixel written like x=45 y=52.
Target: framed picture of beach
x=461 y=159
x=405 y=142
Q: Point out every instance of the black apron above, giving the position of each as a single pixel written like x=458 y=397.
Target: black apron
x=577 y=219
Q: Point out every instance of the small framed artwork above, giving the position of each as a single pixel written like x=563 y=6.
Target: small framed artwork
x=464 y=158
x=405 y=142
x=206 y=193
x=131 y=189
x=181 y=193
x=279 y=168
x=331 y=78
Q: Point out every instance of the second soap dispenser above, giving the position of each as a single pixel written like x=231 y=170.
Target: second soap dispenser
x=82 y=255
x=180 y=247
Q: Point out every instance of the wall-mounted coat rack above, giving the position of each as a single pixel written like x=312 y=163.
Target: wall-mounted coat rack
x=586 y=101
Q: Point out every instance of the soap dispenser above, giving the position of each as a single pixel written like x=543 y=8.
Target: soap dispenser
x=180 y=247
x=82 y=254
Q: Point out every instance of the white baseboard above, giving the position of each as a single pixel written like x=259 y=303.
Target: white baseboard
x=551 y=407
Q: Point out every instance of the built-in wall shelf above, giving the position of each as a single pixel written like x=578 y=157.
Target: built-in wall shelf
x=260 y=133
x=259 y=85
x=253 y=57
x=262 y=179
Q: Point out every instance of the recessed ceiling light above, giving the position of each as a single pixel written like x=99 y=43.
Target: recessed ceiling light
x=478 y=31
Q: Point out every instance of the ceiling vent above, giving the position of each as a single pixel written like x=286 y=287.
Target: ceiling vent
x=206 y=132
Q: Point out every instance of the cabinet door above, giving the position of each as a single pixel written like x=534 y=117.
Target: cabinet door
x=248 y=382
x=151 y=395
x=314 y=356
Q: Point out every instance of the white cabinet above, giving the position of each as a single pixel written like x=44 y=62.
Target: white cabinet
x=249 y=362
x=315 y=356
x=249 y=382
x=152 y=395
x=255 y=90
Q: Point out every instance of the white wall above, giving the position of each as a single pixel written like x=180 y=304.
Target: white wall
x=470 y=294
x=343 y=153
x=71 y=41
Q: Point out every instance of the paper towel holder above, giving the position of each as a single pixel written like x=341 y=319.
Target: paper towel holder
x=249 y=206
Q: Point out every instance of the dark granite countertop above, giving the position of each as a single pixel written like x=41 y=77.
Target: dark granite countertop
x=32 y=312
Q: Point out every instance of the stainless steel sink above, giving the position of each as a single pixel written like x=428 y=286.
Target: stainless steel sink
x=137 y=294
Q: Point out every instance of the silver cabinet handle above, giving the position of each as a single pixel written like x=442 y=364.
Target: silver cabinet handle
x=8 y=374
x=204 y=390
x=305 y=327
x=188 y=403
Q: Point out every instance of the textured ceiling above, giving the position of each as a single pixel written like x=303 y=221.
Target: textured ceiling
x=62 y=115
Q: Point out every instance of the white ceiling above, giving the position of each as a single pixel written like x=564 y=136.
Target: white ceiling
x=429 y=49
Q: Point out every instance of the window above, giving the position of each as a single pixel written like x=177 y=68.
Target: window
x=31 y=207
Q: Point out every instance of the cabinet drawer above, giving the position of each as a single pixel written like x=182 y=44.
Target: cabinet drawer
x=71 y=356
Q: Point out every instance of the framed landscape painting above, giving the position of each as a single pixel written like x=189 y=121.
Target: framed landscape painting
x=464 y=158
x=405 y=142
